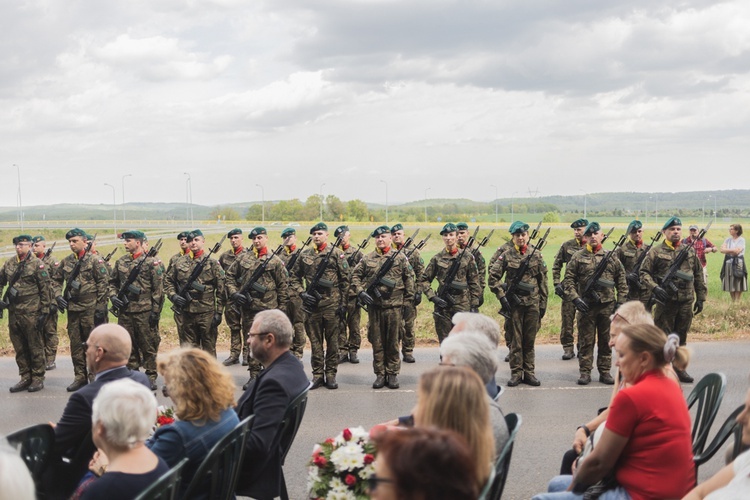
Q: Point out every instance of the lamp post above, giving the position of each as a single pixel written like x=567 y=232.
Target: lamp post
x=123 y=196
x=585 y=202
x=386 y=200
x=114 y=207
x=512 y=216
x=496 y=197
x=189 y=198
x=321 y=201
x=20 y=202
x=262 y=205
x=425 y=204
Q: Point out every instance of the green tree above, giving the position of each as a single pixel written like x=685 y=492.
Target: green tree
x=254 y=212
x=226 y=213
x=357 y=210
x=312 y=208
x=551 y=217
x=335 y=208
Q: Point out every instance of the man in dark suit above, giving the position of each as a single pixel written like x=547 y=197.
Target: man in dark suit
x=107 y=352
x=267 y=397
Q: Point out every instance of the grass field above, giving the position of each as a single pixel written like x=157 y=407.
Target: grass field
x=721 y=319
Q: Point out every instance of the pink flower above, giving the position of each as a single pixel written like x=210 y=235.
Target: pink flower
x=320 y=461
x=329 y=441
x=369 y=458
x=347 y=434
x=350 y=480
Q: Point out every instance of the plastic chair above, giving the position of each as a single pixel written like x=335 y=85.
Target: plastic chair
x=220 y=469
x=708 y=394
x=35 y=444
x=288 y=430
x=165 y=488
x=493 y=490
x=729 y=428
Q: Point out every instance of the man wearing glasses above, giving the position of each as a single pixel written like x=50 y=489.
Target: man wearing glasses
x=702 y=247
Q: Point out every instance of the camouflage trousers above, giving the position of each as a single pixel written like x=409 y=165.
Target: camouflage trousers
x=197 y=331
x=28 y=342
x=323 y=326
x=354 y=340
x=674 y=317
x=145 y=346
x=593 y=327
x=237 y=332
x=383 y=333
x=253 y=365
x=524 y=324
x=508 y=330
x=297 y=317
x=443 y=323
x=406 y=332
x=568 y=311
x=80 y=324
x=51 y=339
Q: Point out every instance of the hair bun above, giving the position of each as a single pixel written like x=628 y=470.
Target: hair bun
x=670 y=347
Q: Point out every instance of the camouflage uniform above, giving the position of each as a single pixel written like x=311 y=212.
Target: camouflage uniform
x=177 y=317
x=525 y=314
x=628 y=254
x=51 y=339
x=409 y=311
x=350 y=344
x=272 y=290
x=208 y=300
x=322 y=323
x=89 y=296
x=464 y=291
x=31 y=302
x=568 y=310
x=396 y=289
x=506 y=324
x=294 y=309
x=102 y=314
x=594 y=325
x=676 y=314
x=145 y=298
x=237 y=329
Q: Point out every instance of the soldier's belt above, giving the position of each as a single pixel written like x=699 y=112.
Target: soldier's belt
x=601 y=282
x=257 y=287
x=458 y=285
x=198 y=287
x=389 y=283
x=82 y=297
x=682 y=275
x=523 y=288
x=324 y=283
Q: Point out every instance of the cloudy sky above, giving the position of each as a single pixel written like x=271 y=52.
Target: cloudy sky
x=455 y=96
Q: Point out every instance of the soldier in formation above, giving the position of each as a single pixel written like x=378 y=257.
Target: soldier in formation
x=294 y=312
x=508 y=334
x=463 y=238
x=568 y=310
x=409 y=313
x=629 y=254
x=51 y=339
x=350 y=339
x=233 y=315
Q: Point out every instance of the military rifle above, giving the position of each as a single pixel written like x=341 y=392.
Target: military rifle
x=607 y=235
x=485 y=240
x=633 y=278
x=312 y=285
x=110 y=254
x=191 y=282
x=418 y=246
x=443 y=289
x=49 y=250
x=535 y=232
x=295 y=256
x=72 y=281
x=128 y=285
x=252 y=285
x=593 y=282
x=511 y=292
x=351 y=259
x=379 y=279
x=11 y=293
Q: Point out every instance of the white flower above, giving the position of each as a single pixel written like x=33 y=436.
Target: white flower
x=367 y=471
x=312 y=476
x=347 y=457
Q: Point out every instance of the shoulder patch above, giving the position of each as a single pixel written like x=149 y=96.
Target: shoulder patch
x=41 y=266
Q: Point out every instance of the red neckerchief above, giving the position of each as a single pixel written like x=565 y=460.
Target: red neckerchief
x=197 y=254
x=452 y=252
x=322 y=247
x=522 y=250
x=238 y=251
x=260 y=253
x=639 y=244
x=345 y=246
x=81 y=254
x=384 y=250
x=136 y=255
x=595 y=249
x=399 y=245
x=580 y=242
x=291 y=249
x=40 y=255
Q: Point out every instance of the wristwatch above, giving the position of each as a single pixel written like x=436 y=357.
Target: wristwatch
x=585 y=429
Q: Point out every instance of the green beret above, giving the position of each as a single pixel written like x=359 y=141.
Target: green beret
x=37 y=239
x=89 y=237
x=592 y=228
x=320 y=226
x=340 y=230
x=673 y=221
x=579 y=223
x=183 y=234
x=518 y=227
x=288 y=232
x=22 y=238
x=257 y=231
x=397 y=227
x=634 y=226
x=234 y=231
x=194 y=234
x=75 y=232
x=380 y=230
x=133 y=235
x=462 y=226
x=448 y=228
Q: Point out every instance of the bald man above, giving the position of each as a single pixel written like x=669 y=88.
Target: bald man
x=107 y=351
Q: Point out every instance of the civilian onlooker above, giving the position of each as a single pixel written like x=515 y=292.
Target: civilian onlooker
x=477 y=322
x=15 y=479
x=733 y=272
x=701 y=246
x=423 y=463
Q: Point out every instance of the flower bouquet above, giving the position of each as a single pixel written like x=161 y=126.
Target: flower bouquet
x=340 y=466
x=164 y=416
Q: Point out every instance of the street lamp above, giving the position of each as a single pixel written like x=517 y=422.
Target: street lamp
x=189 y=198
x=585 y=202
x=321 y=201
x=262 y=205
x=20 y=203
x=512 y=216
x=425 y=204
x=386 y=200
x=123 y=196
x=496 y=198
x=114 y=207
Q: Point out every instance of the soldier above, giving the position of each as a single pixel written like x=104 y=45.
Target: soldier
x=506 y=324
x=384 y=296
x=568 y=310
x=349 y=345
x=28 y=301
x=155 y=326
x=323 y=303
x=674 y=307
x=528 y=305
x=182 y=239
x=101 y=315
x=269 y=291
x=409 y=311
x=628 y=254
x=51 y=339
x=294 y=304
x=86 y=300
x=232 y=315
x=463 y=238
x=462 y=294
x=202 y=315
x=139 y=303
x=594 y=315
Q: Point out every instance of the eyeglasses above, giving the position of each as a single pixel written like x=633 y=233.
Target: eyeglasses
x=85 y=346
x=445 y=364
x=617 y=315
x=374 y=480
x=258 y=334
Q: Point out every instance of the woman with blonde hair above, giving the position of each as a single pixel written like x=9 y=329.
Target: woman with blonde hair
x=203 y=394
x=454 y=398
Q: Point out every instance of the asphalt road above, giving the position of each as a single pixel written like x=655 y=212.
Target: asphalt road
x=550 y=413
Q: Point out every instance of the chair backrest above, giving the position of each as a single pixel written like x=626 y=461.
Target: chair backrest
x=35 y=445
x=707 y=394
x=493 y=490
x=729 y=427
x=220 y=469
x=290 y=424
x=165 y=488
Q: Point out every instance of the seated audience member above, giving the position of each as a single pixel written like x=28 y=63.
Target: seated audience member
x=733 y=481
x=267 y=397
x=646 y=444
x=423 y=464
x=473 y=350
x=477 y=322
x=107 y=351
x=454 y=398
x=203 y=394
x=123 y=416
x=15 y=479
